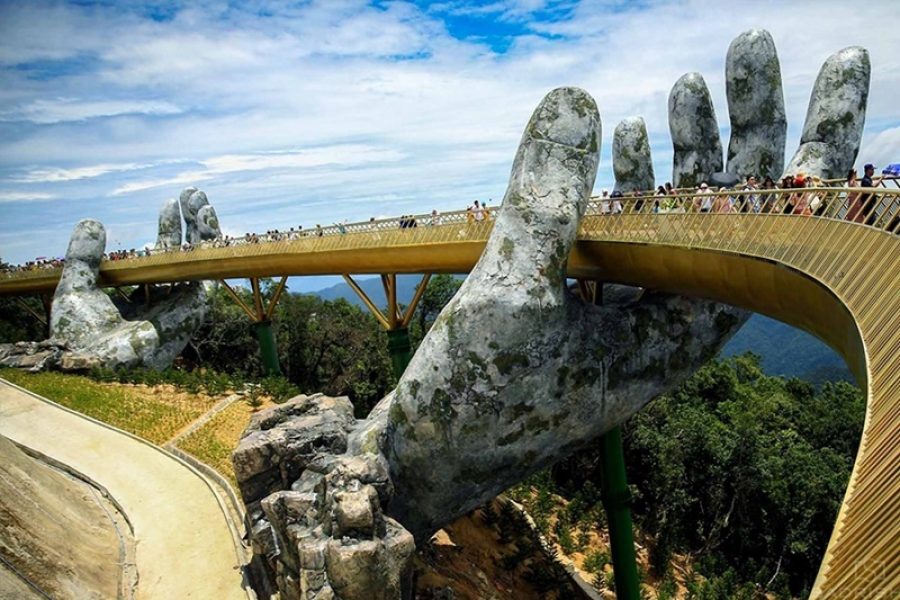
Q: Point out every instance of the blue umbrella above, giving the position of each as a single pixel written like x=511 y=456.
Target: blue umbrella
x=891 y=169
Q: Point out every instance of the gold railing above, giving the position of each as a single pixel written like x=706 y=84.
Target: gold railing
x=826 y=260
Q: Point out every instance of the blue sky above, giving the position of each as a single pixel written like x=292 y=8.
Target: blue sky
x=300 y=113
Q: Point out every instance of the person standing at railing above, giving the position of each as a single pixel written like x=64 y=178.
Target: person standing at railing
x=798 y=202
x=616 y=198
x=816 y=204
x=604 y=202
x=868 y=199
x=749 y=200
x=854 y=202
x=703 y=201
x=478 y=212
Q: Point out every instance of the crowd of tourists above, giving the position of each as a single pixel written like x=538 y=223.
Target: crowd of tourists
x=753 y=196
x=749 y=196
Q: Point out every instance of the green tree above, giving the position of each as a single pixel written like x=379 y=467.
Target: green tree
x=438 y=293
x=16 y=322
x=744 y=471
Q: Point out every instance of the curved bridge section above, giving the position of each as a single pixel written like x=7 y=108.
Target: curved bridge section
x=835 y=275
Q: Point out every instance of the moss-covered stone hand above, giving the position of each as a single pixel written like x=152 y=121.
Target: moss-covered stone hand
x=828 y=145
x=515 y=374
x=90 y=323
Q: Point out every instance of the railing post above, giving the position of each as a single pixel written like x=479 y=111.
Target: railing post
x=268 y=352
x=617 y=503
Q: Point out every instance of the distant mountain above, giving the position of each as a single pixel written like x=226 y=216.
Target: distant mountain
x=406 y=288
x=788 y=351
x=785 y=350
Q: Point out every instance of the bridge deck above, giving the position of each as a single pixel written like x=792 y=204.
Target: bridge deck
x=837 y=279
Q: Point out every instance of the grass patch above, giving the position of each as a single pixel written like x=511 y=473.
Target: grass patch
x=216 y=440
x=155 y=414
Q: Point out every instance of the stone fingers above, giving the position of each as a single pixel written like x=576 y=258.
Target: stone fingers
x=632 y=163
x=169 y=232
x=208 y=222
x=551 y=181
x=835 y=118
x=695 y=132
x=755 y=106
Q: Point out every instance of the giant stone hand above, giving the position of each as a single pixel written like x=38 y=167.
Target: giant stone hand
x=516 y=373
x=828 y=145
x=87 y=320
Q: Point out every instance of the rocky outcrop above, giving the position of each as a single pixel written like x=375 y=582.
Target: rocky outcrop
x=695 y=132
x=632 y=164
x=315 y=513
x=755 y=106
x=835 y=118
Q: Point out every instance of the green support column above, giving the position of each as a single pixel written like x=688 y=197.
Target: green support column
x=617 y=502
x=268 y=352
x=400 y=349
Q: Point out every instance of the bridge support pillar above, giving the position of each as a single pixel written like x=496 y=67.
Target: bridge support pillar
x=394 y=320
x=614 y=488
x=400 y=348
x=261 y=317
x=268 y=351
x=617 y=502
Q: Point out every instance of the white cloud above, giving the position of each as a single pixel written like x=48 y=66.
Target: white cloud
x=56 y=175
x=45 y=112
x=24 y=196
x=337 y=156
x=883 y=149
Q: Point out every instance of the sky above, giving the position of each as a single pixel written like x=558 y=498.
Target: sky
x=297 y=113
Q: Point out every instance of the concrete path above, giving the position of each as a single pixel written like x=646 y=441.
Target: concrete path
x=185 y=548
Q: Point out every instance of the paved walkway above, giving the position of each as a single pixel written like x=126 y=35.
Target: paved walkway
x=184 y=546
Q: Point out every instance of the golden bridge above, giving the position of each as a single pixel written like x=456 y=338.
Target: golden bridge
x=813 y=258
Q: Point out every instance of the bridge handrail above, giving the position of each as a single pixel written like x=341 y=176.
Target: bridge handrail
x=869 y=207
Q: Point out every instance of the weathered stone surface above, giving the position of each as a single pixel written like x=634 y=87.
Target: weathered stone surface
x=169 y=235
x=196 y=202
x=280 y=442
x=835 y=117
x=321 y=523
x=727 y=180
x=516 y=371
x=632 y=164
x=755 y=106
x=189 y=216
x=695 y=132
x=71 y=361
x=89 y=322
x=207 y=222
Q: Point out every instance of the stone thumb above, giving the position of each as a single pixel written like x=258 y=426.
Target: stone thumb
x=82 y=268
x=551 y=181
